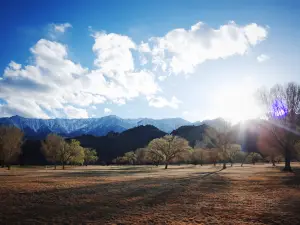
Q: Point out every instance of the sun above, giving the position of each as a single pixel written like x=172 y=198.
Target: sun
x=237 y=104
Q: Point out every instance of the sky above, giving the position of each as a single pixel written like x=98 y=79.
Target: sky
x=159 y=59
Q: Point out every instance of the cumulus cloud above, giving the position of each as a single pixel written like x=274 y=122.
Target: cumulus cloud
x=160 y=102
x=181 y=50
x=52 y=85
x=73 y=112
x=162 y=78
x=53 y=81
x=261 y=58
x=61 y=27
x=107 y=111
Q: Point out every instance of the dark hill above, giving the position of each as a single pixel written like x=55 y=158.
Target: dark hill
x=196 y=133
x=113 y=144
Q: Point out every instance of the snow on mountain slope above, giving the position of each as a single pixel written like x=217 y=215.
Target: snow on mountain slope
x=39 y=128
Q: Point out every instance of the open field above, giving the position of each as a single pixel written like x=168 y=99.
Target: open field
x=251 y=194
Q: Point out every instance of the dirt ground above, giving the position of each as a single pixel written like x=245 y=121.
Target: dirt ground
x=251 y=194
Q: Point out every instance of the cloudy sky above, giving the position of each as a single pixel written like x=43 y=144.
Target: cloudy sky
x=191 y=59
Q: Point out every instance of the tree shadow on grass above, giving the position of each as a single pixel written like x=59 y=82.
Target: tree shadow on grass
x=103 y=203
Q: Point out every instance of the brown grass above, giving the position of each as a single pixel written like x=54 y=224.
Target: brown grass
x=256 y=194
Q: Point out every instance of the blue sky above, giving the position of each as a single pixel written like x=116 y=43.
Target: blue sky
x=158 y=59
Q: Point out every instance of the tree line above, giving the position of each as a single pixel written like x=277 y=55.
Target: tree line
x=175 y=150
x=55 y=148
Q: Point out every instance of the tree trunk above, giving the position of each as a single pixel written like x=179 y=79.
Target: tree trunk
x=166 y=166
x=224 y=166
x=287 y=166
x=63 y=166
x=244 y=160
x=273 y=163
x=55 y=166
x=214 y=164
x=231 y=164
x=8 y=167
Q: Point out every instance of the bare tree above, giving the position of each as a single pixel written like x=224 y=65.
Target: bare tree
x=168 y=148
x=233 y=152
x=213 y=156
x=11 y=139
x=141 y=155
x=51 y=147
x=223 y=142
x=198 y=156
x=154 y=156
x=130 y=157
x=282 y=104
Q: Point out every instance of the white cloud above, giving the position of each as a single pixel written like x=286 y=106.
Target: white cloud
x=185 y=113
x=73 y=112
x=160 y=102
x=61 y=27
x=52 y=85
x=107 y=111
x=53 y=81
x=180 y=50
x=93 y=107
x=162 y=78
x=144 y=47
x=261 y=58
x=113 y=52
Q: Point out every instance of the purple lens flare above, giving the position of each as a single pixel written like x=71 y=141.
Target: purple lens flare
x=279 y=109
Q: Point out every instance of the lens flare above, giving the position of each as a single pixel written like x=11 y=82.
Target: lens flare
x=279 y=109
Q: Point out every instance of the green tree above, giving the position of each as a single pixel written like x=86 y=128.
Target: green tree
x=90 y=156
x=78 y=157
x=68 y=151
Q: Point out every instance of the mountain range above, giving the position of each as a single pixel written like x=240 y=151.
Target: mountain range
x=40 y=128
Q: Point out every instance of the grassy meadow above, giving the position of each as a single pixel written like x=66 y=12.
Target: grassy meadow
x=187 y=194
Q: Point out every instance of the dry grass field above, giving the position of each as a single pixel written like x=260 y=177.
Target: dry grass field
x=251 y=194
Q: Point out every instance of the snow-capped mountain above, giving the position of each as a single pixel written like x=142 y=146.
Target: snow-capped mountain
x=39 y=128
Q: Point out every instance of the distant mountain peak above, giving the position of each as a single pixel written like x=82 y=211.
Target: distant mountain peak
x=40 y=128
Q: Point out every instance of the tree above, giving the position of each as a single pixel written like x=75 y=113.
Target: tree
x=68 y=151
x=11 y=139
x=282 y=105
x=233 y=152
x=90 y=156
x=51 y=147
x=254 y=157
x=130 y=157
x=154 y=156
x=78 y=156
x=213 y=156
x=141 y=155
x=168 y=147
x=198 y=156
x=121 y=160
x=223 y=143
